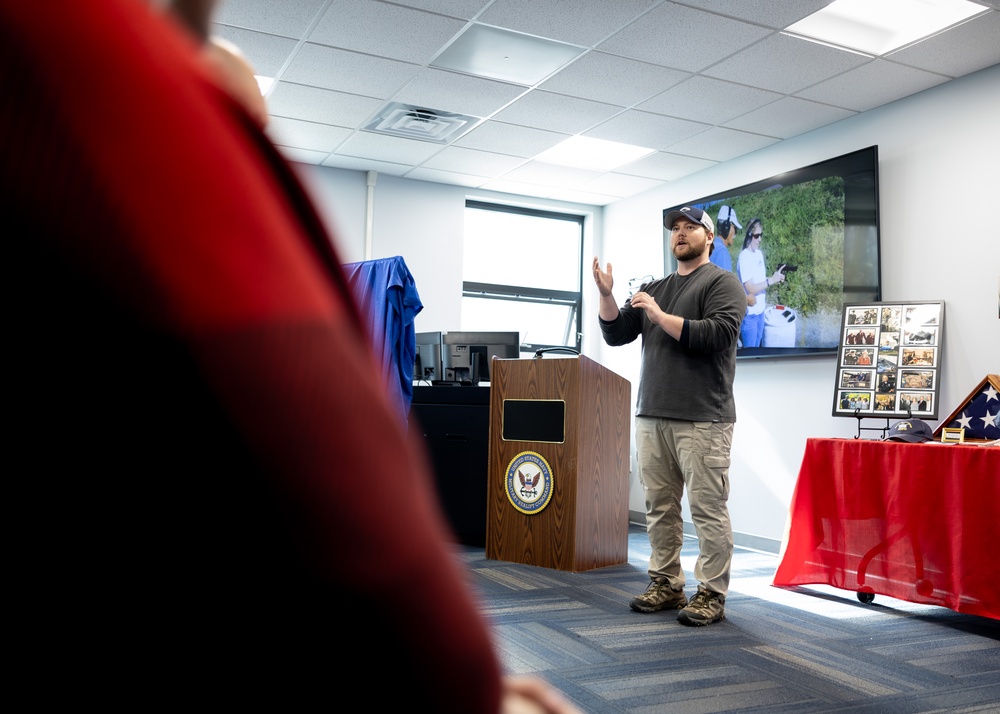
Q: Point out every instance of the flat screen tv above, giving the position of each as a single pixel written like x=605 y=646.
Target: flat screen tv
x=821 y=222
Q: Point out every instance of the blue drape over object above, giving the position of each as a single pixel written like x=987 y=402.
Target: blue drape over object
x=389 y=302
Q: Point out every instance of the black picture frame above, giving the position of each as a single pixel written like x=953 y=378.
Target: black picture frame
x=889 y=360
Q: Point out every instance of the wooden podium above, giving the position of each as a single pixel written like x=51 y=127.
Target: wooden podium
x=571 y=415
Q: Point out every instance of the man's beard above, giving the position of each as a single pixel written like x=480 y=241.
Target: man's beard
x=690 y=252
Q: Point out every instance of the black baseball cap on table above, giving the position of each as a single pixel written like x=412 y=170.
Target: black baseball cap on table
x=914 y=431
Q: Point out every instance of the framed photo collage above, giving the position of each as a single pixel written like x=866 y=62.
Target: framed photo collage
x=889 y=360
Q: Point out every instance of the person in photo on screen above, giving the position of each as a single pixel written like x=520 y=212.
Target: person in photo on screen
x=689 y=323
x=756 y=281
x=726 y=226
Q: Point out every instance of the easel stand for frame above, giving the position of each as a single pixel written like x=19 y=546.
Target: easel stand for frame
x=884 y=429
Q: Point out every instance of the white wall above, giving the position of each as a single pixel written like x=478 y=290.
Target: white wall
x=939 y=157
x=939 y=161
x=340 y=199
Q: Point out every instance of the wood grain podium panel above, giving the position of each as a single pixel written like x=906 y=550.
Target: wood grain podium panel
x=585 y=523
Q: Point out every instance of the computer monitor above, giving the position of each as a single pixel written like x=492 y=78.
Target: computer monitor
x=427 y=360
x=466 y=356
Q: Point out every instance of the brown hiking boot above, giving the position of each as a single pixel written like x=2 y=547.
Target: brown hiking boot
x=705 y=608
x=658 y=596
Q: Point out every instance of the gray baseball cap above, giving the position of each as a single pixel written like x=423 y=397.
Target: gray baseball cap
x=693 y=214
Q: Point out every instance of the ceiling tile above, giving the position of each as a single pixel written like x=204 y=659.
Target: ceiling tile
x=290 y=18
x=449 y=177
x=708 y=100
x=379 y=28
x=516 y=187
x=652 y=37
x=613 y=80
x=551 y=174
x=872 y=85
x=464 y=9
x=545 y=110
x=470 y=161
x=777 y=15
x=349 y=72
x=557 y=193
x=592 y=20
x=299 y=101
x=785 y=64
x=364 y=144
x=615 y=184
x=267 y=54
x=302 y=156
x=719 y=144
x=654 y=131
x=354 y=163
x=665 y=166
x=510 y=139
x=306 y=135
x=789 y=117
x=967 y=48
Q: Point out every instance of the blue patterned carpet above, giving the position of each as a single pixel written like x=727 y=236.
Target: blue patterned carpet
x=806 y=650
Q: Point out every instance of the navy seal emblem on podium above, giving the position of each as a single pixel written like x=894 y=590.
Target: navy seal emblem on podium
x=529 y=482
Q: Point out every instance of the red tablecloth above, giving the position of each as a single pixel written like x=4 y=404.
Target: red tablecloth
x=915 y=522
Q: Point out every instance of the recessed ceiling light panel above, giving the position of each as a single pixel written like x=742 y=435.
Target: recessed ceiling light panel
x=880 y=27
x=411 y=122
x=584 y=152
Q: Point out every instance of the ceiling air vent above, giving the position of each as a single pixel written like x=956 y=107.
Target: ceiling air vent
x=419 y=123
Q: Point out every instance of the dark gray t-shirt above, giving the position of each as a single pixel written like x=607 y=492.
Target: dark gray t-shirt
x=691 y=378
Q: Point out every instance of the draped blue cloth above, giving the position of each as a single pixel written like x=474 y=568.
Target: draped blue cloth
x=387 y=297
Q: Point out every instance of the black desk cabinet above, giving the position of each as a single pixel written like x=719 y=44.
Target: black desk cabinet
x=455 y=423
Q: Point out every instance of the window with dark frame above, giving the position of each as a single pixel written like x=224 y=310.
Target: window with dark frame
x=522 y=270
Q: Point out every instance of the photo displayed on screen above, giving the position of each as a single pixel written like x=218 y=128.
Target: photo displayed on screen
x=809 y=240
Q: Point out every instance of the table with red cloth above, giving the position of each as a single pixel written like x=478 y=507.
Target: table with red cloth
x=916 y=522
